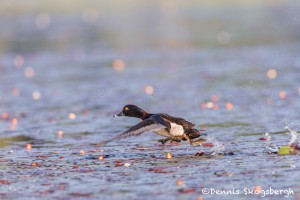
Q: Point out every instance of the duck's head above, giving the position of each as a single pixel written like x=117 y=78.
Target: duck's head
x=132 y=111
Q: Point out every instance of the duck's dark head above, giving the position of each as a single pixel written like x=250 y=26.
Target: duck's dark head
x=132 y=111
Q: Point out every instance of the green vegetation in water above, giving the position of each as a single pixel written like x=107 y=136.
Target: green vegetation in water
x=261 y=133
x=226 y=124
x=7 y=141
x=284 y=150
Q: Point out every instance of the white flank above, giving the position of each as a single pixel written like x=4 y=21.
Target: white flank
x=176 y=130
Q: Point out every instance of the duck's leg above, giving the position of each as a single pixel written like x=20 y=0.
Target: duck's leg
x=193 y=143
x=163 y=141
x=175 y=139
x=171 y=139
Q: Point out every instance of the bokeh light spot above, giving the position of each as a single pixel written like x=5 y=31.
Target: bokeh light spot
x=210 y=105
x=100 y=158
x=29 y=72
x=18 y=61
x=72 y=116
x=270 y=102
x=36 y=95
x=118 y=65
x=149 y=90
x=60 y=134
x=14 y=121
x=81 y=152
x=168 y=155
x=203 y=106
x=214 y=98
x=282 y=94
x=28 y=147
x=215 y=107
x=229 y=106
x=4 y=115
x=257 y=189
x=272 y=73
x=179 y=182
x=15 y=92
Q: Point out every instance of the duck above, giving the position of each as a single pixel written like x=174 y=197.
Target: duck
x=170 y=127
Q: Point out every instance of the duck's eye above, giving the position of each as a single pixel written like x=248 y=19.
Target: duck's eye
x=126 y=108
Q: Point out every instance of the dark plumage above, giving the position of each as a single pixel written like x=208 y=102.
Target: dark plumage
x=173 y=128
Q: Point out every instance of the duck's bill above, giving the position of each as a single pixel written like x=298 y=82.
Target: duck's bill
x=120 y=114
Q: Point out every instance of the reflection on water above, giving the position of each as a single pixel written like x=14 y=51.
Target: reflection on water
x=65 y=71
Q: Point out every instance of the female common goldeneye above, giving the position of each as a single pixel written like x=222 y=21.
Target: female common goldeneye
x=173 y=128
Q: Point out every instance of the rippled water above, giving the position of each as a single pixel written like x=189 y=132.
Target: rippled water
x=75 y=78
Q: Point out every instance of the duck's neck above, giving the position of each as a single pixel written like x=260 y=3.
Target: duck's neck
x=146 y=115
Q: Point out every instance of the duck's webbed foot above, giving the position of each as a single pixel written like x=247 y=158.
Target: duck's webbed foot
x=193 y=142
x=171 y=139
x=198 y=142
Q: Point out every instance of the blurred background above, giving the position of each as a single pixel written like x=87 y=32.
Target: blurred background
x=132 y=25
x=62 y=60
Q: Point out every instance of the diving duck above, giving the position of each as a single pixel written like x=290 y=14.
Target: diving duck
x=172 y=128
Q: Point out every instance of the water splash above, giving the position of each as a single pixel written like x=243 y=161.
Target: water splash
x=293 y=136
x=268 y=138
x=270 y=148
x=218 y=147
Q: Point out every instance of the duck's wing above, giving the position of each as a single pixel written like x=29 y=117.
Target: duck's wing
x=150 y=124
x=179 y=120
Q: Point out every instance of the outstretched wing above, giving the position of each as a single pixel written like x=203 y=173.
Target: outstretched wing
x=144 y=126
